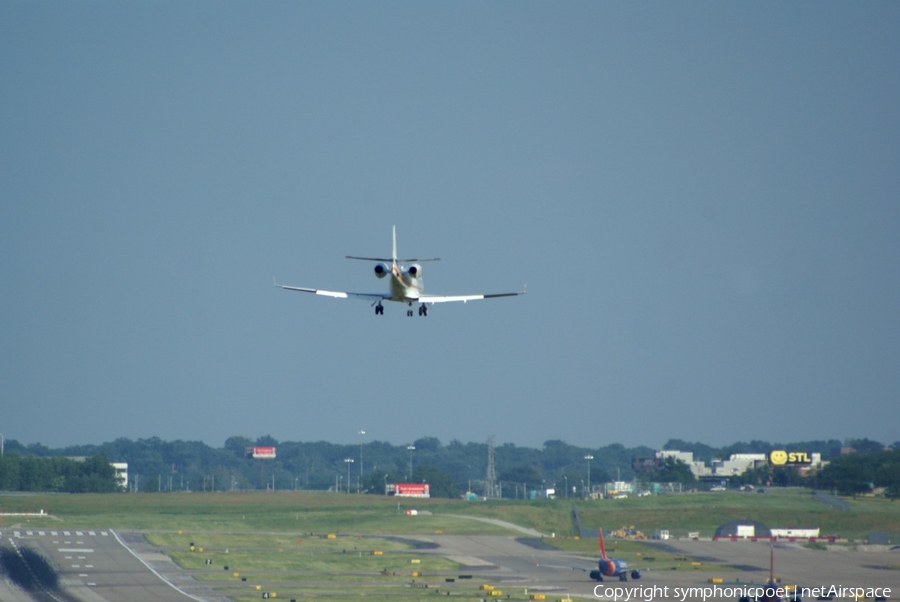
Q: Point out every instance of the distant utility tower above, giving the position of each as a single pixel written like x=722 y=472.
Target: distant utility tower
x=490 y=480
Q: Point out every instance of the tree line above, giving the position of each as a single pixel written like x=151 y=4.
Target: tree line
x=56 y=474
x=450 y=469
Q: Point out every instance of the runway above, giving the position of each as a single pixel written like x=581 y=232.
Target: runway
x=105 y=566
x=92 y=565
x=511 y=565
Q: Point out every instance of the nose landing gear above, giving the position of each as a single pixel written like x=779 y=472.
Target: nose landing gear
x=423 y=310
x=379 y=309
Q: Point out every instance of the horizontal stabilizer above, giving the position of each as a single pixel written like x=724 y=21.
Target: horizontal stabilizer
x=389 y=260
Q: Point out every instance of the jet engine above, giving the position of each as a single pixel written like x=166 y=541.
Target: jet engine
x=381 y=270
x=415 y=270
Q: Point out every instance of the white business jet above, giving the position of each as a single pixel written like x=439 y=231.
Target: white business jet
x=406 y=285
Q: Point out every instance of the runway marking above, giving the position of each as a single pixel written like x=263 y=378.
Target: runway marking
x=76 y=566
x=153 y=570
x=67 y=534
x=91 y=533
x=89 y=566
x=104 y=533
x=17 y=533
x=82 y=574
x=67 y=557
x=91 y=584
x=54 y=533
x=79 y=533
x=41 y=533
x=31 y=571
x=75 y=550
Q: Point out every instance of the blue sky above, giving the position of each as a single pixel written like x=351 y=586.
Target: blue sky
x=701 y=197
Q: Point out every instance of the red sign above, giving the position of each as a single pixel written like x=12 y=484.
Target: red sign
x=261 y=453
x=411 y=489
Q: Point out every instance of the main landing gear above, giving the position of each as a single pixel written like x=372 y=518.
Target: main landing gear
x=423 y=310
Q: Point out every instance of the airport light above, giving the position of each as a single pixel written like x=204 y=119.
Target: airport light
x=411 y=449
x=349 y=461
x=589 y=457
x=567 y=486
x=361 y=434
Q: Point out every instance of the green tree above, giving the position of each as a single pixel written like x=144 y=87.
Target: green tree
x=522 y=474
x=9 y=472
x=865 y=446
x=238 y=445
x=440 y=483
x=850 y=474
x=673 y=470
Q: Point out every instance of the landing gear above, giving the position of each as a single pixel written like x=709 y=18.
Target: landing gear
x=379 y=309
x=409 y=311
x=423 y=310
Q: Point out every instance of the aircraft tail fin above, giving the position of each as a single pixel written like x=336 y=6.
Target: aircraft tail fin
x=602 y=547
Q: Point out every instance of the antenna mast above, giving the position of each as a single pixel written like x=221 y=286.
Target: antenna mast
x=490 y=480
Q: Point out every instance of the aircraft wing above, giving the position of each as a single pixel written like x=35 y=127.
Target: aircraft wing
x=463 y=298
x=335 y=294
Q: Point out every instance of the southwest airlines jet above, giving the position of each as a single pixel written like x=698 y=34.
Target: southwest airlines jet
x=406 y=285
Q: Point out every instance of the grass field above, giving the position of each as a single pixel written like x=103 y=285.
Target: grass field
x=276 y=541
x=704 y=512
x=314 y=512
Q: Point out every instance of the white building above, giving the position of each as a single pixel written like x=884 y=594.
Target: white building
x=121 y=474
x=699 y=469
x=736 y=464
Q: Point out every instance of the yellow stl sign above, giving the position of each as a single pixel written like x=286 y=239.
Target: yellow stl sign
x=780 y=457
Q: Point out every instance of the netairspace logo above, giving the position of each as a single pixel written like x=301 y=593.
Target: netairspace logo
x=683 y=594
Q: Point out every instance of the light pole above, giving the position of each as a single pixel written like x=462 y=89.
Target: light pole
x=349 y=461
x=589 y=457
x=361 y=434
x=567 y=486
x=411 y=449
